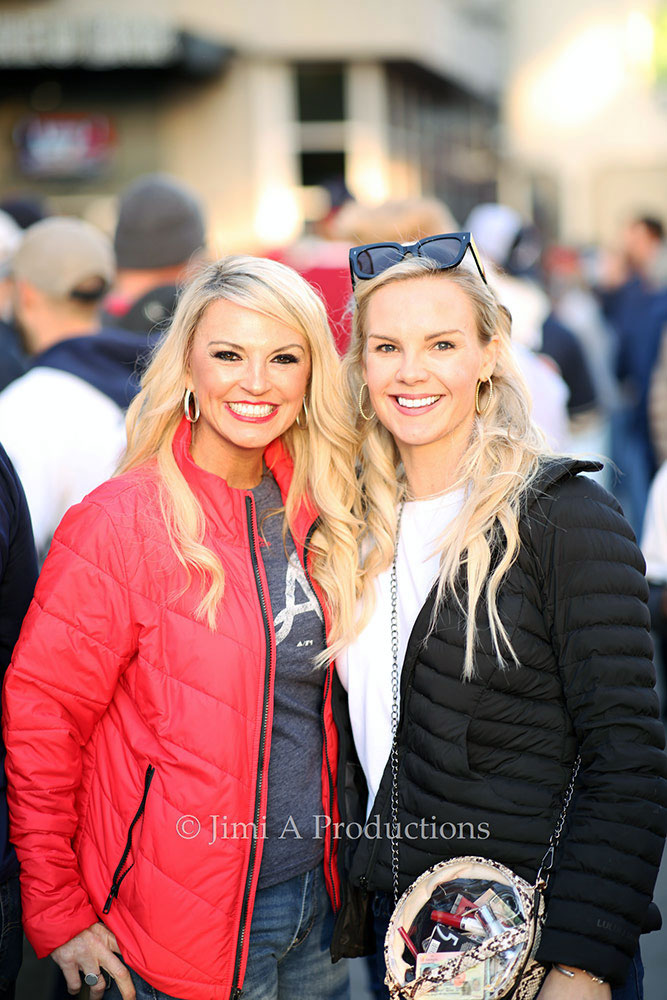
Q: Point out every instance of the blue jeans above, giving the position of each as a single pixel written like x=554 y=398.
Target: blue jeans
x=11 y=936
x=632 y=988
x=288 y=958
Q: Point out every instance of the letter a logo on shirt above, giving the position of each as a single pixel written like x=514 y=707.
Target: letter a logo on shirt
x=285 y=619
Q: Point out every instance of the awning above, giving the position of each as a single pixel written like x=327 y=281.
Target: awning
x=106 y=41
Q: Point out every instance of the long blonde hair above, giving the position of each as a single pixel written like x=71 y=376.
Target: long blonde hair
x=320 y=450
x=497 y=470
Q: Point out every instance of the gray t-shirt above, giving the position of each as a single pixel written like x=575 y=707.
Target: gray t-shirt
x=291 y=846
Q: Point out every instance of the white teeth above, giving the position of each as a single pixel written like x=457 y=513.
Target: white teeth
x=415 y=404
x=251 y=410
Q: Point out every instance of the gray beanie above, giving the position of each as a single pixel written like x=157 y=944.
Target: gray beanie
x=160 y=224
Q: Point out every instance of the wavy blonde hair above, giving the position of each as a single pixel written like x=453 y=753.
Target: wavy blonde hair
x=320 y=450
x=497 y=469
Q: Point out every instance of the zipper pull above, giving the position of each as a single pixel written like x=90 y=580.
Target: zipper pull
x=110 y=898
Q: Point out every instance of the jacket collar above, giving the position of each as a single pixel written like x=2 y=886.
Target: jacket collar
x=224 y=505
x=553 y=470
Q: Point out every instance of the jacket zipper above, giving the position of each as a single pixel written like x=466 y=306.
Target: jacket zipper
x=236 y=990
x=119 y=874
x=324 y=698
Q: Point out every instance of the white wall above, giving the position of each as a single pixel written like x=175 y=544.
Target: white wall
x=581 y=104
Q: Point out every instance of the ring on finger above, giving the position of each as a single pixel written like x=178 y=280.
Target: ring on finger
x=91 y=979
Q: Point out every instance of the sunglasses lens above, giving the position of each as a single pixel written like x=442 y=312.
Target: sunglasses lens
x=375 y=260
x=445 y=251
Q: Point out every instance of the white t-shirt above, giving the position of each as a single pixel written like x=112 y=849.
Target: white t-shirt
x=654 y=540
x=365 y=666
x=64 y=438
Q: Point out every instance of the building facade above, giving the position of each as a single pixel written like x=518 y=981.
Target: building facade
x=258 y=105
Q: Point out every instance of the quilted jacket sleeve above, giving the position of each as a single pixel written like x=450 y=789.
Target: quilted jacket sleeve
x=610 y=853
x=76 y=639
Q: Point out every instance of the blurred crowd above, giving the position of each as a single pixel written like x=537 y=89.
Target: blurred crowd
x=80 y=311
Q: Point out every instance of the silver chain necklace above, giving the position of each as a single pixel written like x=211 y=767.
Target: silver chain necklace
x=394 y=709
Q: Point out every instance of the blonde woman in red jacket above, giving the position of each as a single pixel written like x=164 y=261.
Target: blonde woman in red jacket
x=171 y=751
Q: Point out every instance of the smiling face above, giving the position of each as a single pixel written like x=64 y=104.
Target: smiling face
x=422 y=363
x=250 y=374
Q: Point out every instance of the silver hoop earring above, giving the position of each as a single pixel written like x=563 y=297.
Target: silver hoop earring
x=298 y=419
x=488 y=398
x=361 y=402
x=190 y=395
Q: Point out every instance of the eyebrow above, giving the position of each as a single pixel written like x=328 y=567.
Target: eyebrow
x=240 y=347
x=431 y=336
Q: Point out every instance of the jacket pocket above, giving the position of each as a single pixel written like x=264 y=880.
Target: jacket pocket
x=121 y=871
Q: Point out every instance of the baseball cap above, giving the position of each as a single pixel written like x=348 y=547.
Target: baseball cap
x=61 y=255
x=160 y=224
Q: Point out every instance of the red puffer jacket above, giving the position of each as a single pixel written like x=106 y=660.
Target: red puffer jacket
x=129 y=725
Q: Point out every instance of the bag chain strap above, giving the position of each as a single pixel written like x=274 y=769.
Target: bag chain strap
x=544 y=871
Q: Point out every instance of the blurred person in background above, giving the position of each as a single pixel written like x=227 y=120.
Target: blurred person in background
x=515 y=247
x=62 y=422
x=509 y=248
x=657 y=402
x=12 y=356
x=654 y=547
x=569 y=276
x=160 y=234
x=18 y=573
x=25 y=209
x=633 y=293
x=17 y=213
x=529 y=307
x=400 y=221
x=190 y=600
x=320 y=256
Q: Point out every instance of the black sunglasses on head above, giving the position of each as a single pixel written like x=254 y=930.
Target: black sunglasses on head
x=446 y=250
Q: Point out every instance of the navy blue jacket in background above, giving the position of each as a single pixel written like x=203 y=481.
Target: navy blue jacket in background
x=111 y=360
x=18 y=574
x=13 y=361
x=561 y=344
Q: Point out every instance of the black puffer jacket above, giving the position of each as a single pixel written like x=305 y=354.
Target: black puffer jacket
x=497 y=752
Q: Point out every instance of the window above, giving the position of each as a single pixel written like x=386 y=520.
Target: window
x=320 y=92
x=318 y=168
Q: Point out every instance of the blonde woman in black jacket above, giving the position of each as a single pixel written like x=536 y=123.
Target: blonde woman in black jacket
x=523 y=632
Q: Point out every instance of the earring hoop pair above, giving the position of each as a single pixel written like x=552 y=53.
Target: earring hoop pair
x=361 y=402
x=187 y=399
x=190 y=395
x=479 y=411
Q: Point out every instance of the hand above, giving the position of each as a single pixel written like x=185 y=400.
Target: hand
x=90 y=951
x=559 y=987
